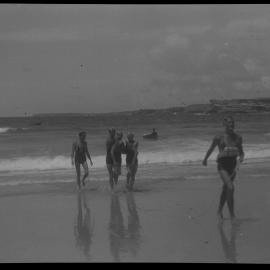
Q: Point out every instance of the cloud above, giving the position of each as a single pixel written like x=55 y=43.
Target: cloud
x=175 y=40
x=247 y=28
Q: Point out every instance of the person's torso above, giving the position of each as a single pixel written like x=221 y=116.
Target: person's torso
x=109 y=144
x=80 y=148
x=228 y=145
x=118 y=150
x=130 y=151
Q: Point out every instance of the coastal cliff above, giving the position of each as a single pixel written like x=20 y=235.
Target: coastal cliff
x=242 y=106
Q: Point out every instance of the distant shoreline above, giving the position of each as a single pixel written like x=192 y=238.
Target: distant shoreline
x=215 y=106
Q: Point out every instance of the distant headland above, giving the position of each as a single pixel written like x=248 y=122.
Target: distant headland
x=215 y=106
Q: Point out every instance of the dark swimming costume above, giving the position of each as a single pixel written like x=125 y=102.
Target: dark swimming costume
x=130 y=153
x=227 y=159
x=80 y=156
x=109 y=145
x=118 y=150
x=227 y=164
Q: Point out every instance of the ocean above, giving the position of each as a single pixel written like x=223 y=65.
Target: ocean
x=37 y=149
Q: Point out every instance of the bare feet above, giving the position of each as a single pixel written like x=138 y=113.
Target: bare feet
x=220 y=215
x=233 y=219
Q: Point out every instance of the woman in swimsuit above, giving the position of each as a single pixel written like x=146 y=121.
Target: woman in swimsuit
x=131 y=160
x=116 y=154
x=109 y=161
x=78 y=156
x=230 y=147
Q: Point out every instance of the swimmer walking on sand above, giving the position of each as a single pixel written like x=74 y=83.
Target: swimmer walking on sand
x=230 y=145
x=131 y=160
x=78 y=157
x=109 y=161
x=116 y=153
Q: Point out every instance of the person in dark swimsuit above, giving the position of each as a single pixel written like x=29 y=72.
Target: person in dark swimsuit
x=78 y=157
x=116 y=152
x=109 y=161
x=230 y=145
x=131 y=160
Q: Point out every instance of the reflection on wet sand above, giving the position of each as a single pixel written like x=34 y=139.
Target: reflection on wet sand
x=229 y=243
x=125 y=240
x=133 y=232
x=83 y=229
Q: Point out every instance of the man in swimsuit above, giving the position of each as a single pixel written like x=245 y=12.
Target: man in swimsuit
x=78 y=157
x=131 y=160
x=109 y=161
x=116 y=152
x=230 y=147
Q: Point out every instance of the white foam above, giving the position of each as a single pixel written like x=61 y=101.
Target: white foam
x=4 y=129
x=64 y=162
x=183 y=156
x=10 y=129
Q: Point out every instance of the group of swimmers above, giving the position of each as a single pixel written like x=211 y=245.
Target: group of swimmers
x=229 y=144
x=115 y=148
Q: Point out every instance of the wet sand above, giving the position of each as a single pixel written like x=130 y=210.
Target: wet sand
x=163 y=220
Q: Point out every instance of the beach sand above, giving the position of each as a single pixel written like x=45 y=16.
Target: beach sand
x=163 y=220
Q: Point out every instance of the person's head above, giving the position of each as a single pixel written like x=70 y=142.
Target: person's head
x=228 y=123
x=112 y=132
x=130 y=136
x=119 y=135
x=154 y=130
x=82 y=135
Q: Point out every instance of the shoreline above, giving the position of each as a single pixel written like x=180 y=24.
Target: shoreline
x=146 y=172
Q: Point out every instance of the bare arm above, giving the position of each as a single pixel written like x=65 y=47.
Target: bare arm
x=135 y=153
x=241 y=151
x=112 y=153
x=72 y=153
x=87 y=153
x=210 y=150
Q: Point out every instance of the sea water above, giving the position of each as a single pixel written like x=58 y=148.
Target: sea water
x=31 y=153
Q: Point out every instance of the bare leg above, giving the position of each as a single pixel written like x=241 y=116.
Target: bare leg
x=78 y=171
x=230 y=201
x=115 y=175
x=109 y=167
x=222 y=201
x=128 y=178
x=132 y=177
x=116 y=179
x=86 y=172
x=229 y=191
x=132 y=180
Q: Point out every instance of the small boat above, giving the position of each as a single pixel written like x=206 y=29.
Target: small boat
x=151 y=136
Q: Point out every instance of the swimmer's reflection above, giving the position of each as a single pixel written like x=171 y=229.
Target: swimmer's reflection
x=133 y=232
x=229 y=244
x=123 y=239
x=83 y=229
x=116 y=228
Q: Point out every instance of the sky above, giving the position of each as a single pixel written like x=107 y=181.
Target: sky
x=85 y=58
